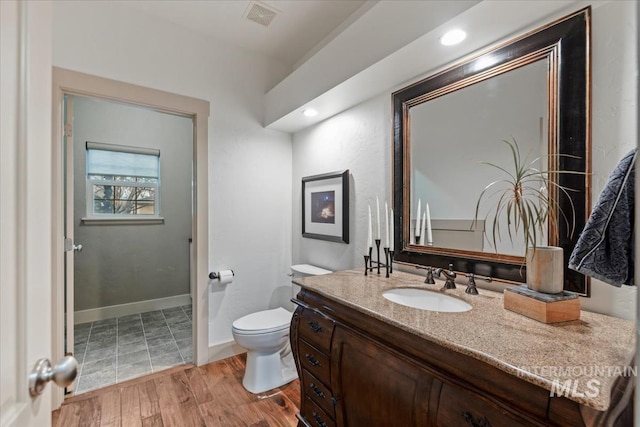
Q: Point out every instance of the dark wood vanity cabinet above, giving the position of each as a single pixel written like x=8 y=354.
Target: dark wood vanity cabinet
x=356 y=370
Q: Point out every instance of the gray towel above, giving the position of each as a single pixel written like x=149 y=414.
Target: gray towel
x=605 y=248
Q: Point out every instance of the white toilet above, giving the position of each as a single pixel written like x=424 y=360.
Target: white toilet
x=265 y=335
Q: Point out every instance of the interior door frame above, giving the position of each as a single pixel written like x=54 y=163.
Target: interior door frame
x=76 y=83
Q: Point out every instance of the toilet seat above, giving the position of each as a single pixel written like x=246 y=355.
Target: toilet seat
x=263 y=322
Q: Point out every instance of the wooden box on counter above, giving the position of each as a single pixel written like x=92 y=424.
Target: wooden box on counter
x=546 y=308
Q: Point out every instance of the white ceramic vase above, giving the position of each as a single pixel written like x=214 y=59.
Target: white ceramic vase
x=545 y=269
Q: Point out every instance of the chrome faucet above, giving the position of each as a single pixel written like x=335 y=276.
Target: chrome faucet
x=449 y=277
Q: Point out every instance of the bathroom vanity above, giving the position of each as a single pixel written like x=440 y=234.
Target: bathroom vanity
x=366 y=361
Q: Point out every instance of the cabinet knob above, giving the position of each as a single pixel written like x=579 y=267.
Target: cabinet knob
x=471 y=420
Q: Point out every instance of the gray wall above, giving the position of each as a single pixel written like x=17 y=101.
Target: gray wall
x=129 y=263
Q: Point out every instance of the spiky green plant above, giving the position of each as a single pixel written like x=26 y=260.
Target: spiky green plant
x=523 y=195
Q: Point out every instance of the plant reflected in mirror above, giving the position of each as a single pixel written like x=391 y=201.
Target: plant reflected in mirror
x=521 y=201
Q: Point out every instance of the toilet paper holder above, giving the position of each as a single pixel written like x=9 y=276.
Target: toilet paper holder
x=216 y=275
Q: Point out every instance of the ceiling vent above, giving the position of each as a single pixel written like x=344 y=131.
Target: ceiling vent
x=261 y=13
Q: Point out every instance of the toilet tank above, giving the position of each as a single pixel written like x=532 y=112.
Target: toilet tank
x=304 y=270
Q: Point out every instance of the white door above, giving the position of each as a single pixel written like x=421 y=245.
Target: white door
x=25 y=208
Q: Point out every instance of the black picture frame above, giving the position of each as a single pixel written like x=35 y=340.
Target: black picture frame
x=325 y=206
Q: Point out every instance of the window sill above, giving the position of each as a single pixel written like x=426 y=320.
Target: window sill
x=122 y=221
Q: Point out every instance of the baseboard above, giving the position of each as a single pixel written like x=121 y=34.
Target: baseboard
x=224 y=350
x=100 y=313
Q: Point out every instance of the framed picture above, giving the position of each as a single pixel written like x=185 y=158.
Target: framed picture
x=325 y=206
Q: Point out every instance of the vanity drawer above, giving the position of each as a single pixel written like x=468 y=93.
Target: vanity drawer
x=316 y=329
x=458 y=407
x=318 y=392
x=314 y=415
x=314 y=361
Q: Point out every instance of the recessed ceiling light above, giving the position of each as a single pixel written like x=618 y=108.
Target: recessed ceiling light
x=453 y=37
x=310 y=112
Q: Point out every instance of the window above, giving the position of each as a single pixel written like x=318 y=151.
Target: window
x=122 y=182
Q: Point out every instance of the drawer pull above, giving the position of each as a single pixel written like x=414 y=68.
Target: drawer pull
x=480 y=422
x=318 y=420
x=316 y=390
x=312 y=360
x=314 y=326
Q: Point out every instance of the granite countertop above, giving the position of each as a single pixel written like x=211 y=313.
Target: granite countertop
x=596 y=347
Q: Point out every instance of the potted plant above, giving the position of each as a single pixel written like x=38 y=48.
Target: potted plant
x=522 y=201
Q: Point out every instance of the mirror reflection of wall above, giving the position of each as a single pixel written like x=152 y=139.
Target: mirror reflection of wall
x=452 y=134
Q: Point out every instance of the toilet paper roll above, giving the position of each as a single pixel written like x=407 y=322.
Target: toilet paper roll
x=225 y=276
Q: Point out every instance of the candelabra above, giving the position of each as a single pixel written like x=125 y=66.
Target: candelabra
x=388 y=258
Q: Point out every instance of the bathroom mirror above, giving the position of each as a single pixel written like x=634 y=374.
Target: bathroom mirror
x=533 y=89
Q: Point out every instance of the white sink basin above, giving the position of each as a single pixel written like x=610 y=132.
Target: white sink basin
x=426 y=300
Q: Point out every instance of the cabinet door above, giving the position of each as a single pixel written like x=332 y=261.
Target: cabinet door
x=374 y=385
x=458 y=407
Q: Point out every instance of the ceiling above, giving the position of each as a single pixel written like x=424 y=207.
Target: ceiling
x=293 y=35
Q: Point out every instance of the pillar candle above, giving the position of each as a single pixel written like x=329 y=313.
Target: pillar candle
x=429 y=235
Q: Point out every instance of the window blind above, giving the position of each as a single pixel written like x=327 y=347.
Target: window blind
x=108 y=159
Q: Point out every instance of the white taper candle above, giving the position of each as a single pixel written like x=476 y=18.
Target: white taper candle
x=429 y=233
x=417 y=232
x=369 y=241
x=391 y=241
x=378 y=216
x=386 y=225
x=424 y=222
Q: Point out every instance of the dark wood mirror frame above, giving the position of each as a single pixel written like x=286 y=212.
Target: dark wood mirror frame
x=565 y=45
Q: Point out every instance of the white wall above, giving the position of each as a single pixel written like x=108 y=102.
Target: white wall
x=614 y=122
x=360 y=139
x=250 y=167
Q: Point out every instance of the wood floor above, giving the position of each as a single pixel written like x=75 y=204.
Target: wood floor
x=209 y=395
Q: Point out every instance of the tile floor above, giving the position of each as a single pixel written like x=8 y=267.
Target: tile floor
x=114 y=350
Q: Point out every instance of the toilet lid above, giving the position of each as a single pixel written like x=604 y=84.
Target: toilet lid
x=264 y=321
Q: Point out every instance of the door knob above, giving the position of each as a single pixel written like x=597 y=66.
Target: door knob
x=62 y=374
x=69 y=246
